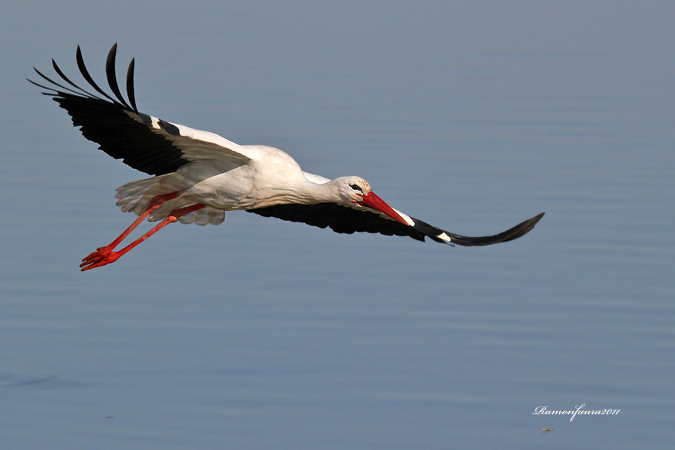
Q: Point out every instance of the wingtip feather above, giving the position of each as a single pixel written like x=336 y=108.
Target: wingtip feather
x=130 y=84
x=85 y=73
x=111 y=75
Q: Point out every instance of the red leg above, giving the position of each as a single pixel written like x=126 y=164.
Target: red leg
x=105 y=255
x=155 y=203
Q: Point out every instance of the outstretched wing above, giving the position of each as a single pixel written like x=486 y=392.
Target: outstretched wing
x=342 y=219
x=146 y=143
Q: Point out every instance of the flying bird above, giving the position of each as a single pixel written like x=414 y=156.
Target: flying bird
x=198 y=176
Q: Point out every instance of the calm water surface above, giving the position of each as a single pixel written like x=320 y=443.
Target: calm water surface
x=266 y=334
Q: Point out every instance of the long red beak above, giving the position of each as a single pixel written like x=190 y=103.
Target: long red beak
x=377 y=203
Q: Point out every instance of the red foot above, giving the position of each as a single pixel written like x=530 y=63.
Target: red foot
x=101 y=257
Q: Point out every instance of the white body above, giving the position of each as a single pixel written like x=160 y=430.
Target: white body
x=226 y=176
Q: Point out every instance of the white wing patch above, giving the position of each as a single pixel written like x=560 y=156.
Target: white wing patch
x=316 y=179
x=205 y=151
x=405 y=217
x=196 y=144
x=445 y=237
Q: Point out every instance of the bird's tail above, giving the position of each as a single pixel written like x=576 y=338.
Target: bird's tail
x=136 y=197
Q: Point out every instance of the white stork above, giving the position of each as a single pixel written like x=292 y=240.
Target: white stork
x=197 y=176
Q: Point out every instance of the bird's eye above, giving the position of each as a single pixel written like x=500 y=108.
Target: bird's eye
x=356 y=187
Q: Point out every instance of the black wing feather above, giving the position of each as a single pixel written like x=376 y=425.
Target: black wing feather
x=120 y=130
x=85 y=74
x=347 y=220
x=130 y=84
x=63 y=76
x=467 y=241
x=112 y=77
x=52 y=82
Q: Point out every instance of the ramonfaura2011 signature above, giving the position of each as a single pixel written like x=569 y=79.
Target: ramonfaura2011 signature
x=544 y=410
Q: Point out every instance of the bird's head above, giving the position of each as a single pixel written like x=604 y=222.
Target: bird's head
x=356 y=190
